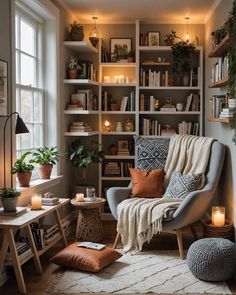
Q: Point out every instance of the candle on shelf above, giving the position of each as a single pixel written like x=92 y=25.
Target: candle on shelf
x=106 y=79
x=79 y=197
x=107 y=125
x=122 y=79
x=117 y=79
x=218 y=216
x=36 y=202
x=126 y=79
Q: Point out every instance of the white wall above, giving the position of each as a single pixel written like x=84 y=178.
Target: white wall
x=222 y=132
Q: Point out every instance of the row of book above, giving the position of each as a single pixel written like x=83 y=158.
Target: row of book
x=23 y=250
x=188 y=128
x=220 y=70
x=127 y=103
x=84 y=99
x=153 y=78
x=117 y=169
x=217 y=103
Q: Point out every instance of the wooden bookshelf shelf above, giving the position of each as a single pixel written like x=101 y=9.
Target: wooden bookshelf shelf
x=220 y=83
x=116 y=157
x=90 y=133
x=220 y=120
x=118 y=84
x=80 y=46
x=80 y=82
x=118 y=112
x=156 y=63
x=221 y=48
x=169 y=88
x=80 y=112
x=168 y=113
x=117 y=133
x=118 y=65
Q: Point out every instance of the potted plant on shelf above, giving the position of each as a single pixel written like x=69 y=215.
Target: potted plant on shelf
x=76 y=32
x=73 y=68
x=169 y=39
x=131 y=56
x=114 y=104
x=45 y=157
x=182 y=53
x=9 y=198
x=219 y=34
x=83 y=155
x=23 y=170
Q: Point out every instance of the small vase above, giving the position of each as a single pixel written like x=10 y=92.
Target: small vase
x=9 y=204
x=24 y=179
x=72 y=74
x=45 y=171
x=114 y=107
x=130 y=59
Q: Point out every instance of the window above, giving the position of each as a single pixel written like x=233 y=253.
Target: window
x=29 y=83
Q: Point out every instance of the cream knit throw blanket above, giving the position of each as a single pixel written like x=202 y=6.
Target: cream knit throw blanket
x=139 y=219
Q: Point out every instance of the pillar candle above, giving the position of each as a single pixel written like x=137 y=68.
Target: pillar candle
x=79 y=197
x=36 y=202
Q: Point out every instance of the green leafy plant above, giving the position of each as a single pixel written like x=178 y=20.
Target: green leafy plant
x=9 y=193
x=114 y=100
x=73 y=63
x=45 y=156
x=82 y=156
x=171 y=37
x=20 y=166
x=75 y=26
x=121 y=51
x=131 y=53
x=219 y=33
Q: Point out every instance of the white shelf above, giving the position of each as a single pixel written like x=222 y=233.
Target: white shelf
x=118 y=112
x=168 y=113
x=117 y=133
x=118 y=65
x=115 y=178
x=116 y=157
x=80 y=112
x=81 y=46
x=169 y=87
x=90 y=133
x=160 y=48
x=80 y=82
x=118 y=84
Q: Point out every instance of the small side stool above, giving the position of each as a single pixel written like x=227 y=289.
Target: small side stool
x=212 y=259
x=89 y=224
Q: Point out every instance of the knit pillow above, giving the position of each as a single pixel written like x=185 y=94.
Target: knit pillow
x=151 y=152
x=147 y=184
x=181 y=185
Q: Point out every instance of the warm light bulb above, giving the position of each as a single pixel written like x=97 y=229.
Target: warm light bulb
x=107 y=123
x=187 y=38
x=94 y=35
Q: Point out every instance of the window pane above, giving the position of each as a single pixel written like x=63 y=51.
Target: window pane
x=17 y=31
x=27 y=70
x=38 y=107
x=38 y=138
x=27 y=106
x=27 y=138
x=17 y=68
x=27 y=42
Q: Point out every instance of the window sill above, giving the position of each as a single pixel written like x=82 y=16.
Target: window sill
x=39 y=185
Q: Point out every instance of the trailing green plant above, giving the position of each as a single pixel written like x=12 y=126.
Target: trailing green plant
x=182 y=53
x=20 y=166
x=83 y=155
x=45 y=156
x=9 y=193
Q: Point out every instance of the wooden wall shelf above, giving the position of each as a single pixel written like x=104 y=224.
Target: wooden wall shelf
x=220 y=83
x=220 y=120
x=221 y=48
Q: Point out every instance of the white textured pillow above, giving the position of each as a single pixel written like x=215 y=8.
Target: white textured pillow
x=181 y=185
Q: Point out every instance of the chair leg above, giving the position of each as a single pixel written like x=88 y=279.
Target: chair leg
x=193 y=232
x=116 y=240
x=180 y=243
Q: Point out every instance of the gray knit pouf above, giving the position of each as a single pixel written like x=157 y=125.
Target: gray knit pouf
x=212 y=259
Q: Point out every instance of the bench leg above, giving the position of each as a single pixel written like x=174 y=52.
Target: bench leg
x=180 y=243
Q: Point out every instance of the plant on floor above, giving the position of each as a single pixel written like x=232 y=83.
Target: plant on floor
x=9 y=198
x=45 y=157
x=83 y=155
x=182 y=53
x=23 y=170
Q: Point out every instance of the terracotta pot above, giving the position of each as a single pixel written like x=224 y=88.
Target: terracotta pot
x=72 y=74
x=9 y=204
x=130 y=59
x=24 y=178
x=45 y=171
x=114 y=107
x=77 y=34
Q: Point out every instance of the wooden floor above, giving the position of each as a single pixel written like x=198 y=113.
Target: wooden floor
x=36 y=284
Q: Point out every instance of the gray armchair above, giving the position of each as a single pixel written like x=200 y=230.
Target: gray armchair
x=193 y=207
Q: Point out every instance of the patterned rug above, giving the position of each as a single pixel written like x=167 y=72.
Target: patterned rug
x=149 y=272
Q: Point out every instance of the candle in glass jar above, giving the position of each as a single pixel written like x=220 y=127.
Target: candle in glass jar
x=79 y=197
x=107 y=79
x=218 y=216
x=36 y=202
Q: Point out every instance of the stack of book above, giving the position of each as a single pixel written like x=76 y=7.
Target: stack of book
x=50 y=201
x=168 y=108
x=168 y=131
x=227 y=113
x=123 y=151
x=112 y=169
x=80 y=127
x=50 y=233
x=23 y=250
x=217 y=103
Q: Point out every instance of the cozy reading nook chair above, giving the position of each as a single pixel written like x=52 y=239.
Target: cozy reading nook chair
x=192 y=208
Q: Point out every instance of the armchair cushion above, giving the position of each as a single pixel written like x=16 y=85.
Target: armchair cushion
x=181 y=185
x=147 y=184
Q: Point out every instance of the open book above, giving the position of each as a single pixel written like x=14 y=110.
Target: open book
x=91 y=245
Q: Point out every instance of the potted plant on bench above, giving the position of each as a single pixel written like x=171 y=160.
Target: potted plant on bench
x=23 y=170
x=9 y=198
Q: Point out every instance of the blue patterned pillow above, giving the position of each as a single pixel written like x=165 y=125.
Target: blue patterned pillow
x=181 y=185
x=151 y=152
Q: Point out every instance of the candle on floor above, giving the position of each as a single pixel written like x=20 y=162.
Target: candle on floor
x=36 y=202
x=79 y=197
x=218 y=216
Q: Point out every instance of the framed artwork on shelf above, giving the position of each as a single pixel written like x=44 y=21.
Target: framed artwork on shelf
x=120 y=47
x=168 y=101
x=154 y=38
x=123 y=145
x=3 y=88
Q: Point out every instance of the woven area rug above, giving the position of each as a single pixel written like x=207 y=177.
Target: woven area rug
x=148 y=272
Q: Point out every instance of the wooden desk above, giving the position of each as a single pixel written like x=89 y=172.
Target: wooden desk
x=10 y=224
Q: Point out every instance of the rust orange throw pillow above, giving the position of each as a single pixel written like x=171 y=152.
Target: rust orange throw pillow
x=147 y=184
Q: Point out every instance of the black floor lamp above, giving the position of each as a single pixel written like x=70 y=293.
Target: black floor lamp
x=20 y=129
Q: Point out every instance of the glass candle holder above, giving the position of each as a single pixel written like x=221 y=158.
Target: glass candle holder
x=218 y=216
x=36 y=202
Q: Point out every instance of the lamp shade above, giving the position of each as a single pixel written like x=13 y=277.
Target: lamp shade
x=20 y=126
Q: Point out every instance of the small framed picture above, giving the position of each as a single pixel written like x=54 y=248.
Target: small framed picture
x=3 y=88
x=84 y=69
x=154 y=38
x=120 y=47
x=168 y=101
x=123 y=145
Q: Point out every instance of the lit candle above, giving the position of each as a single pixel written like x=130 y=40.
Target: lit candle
x=107 y=125
x=122 y=79
x=218 y=216
x=106 y=79
x=36 y=202
x=117 y=79
x=79 y=197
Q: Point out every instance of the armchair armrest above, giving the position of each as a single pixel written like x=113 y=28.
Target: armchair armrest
x=116 y=195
